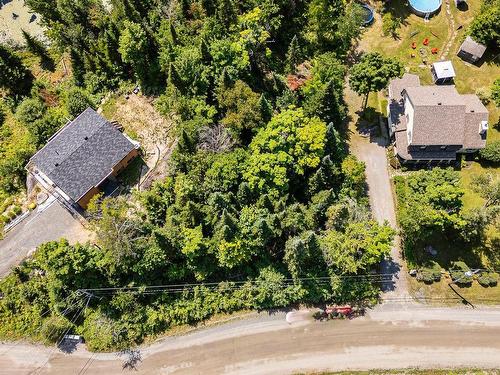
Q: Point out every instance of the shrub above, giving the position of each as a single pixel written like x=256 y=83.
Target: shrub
x=488 y=279
x=17 y=210
x=491 y=152
x=2 y=116
x=54 y=327
x=30 y=110
x=457 y=273
x=484 y=94
x=495 y=92
x=390 y=25
x=430 y=273
x=77 y=101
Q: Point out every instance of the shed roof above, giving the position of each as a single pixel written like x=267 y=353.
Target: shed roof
x=472 y=47
x=443 y=69
x=82 y=154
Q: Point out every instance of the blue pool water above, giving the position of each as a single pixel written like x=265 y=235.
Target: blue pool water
x=425 y=6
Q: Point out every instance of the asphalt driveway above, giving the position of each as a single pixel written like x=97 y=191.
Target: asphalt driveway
x=372 y=151
x=51 y=223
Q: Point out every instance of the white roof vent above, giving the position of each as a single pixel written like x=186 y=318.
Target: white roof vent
x=483 y=127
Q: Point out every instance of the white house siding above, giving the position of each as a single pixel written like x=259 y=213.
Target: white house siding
x=409 y=113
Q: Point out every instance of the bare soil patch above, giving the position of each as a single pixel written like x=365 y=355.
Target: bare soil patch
x=14 y=17
x=142 y=122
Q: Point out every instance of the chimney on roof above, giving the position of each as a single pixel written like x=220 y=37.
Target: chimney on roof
x=439 y=103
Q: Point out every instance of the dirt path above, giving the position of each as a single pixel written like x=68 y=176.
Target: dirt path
x=452 y=32
x=372 y=151
x=15 y=17
x=266 y=344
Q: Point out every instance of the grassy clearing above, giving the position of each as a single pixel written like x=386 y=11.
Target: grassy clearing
x=413 y=29
x=440 y=293
x=141 y=121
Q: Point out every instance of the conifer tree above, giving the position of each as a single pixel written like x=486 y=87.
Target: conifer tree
x=186 y=144
x=173 y=34
x=206 y=57
x=293 y=55
x=174 y=78
x=226 y=12
x=34 y=45
x=266 y=108
x=13 y=74
x=77 y=66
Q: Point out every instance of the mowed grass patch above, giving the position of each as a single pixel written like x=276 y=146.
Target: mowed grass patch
x=412 y=29
x=440 y=293
x=407 y=371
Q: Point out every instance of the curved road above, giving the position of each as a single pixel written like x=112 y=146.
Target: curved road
x=388 y=337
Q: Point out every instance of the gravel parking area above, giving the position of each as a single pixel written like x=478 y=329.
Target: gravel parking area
x=52 y=223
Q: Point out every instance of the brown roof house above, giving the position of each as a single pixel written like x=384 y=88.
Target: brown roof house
x=431 y=124
x=81 y=158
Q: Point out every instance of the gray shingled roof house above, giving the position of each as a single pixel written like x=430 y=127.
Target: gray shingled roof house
x=471 y=51
x=80 y=157
x=434 y=123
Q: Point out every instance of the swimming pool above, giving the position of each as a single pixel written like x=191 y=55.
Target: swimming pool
x=368 y=14
x=425 y=7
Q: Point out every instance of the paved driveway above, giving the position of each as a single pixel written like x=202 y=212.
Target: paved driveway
x=52 y=223
x=372 y=151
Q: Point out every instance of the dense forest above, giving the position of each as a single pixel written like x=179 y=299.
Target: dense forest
x=262 y=207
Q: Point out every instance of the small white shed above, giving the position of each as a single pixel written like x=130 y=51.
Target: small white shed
x=442 y=72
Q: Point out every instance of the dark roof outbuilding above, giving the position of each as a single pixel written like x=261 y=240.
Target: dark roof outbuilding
x=82 y=154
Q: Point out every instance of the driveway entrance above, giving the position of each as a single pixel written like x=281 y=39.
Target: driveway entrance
x=50 y=223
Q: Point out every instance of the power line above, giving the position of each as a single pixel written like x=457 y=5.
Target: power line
x=232 y=284
x=61 y=337
x=71 y=296
x=87 y=364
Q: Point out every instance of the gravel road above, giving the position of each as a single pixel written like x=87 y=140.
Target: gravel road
x=266 y=344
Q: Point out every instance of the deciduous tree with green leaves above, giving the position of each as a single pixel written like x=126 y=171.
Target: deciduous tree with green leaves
x=373 y=73
x=290 y=145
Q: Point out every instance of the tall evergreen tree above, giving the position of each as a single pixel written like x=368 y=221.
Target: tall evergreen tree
x=173 y=34
x=226 y=12
x=13 y=74
x=206 y=57
x=174 y=78
x=293 y=55
x=77 y=66
x=36 y=47
x=266 y=108
x=46 y=8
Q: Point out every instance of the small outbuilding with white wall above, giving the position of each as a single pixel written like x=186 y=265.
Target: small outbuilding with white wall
x=442 y=72
x=471 y=51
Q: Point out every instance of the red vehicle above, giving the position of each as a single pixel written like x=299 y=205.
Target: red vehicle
x=426 y=42
x=341 y=310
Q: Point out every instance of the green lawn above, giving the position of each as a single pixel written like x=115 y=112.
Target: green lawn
x=413 y=29
x=407 y=371
x=440 y=293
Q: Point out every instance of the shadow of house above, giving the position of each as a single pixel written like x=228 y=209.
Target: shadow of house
x=81 y=159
